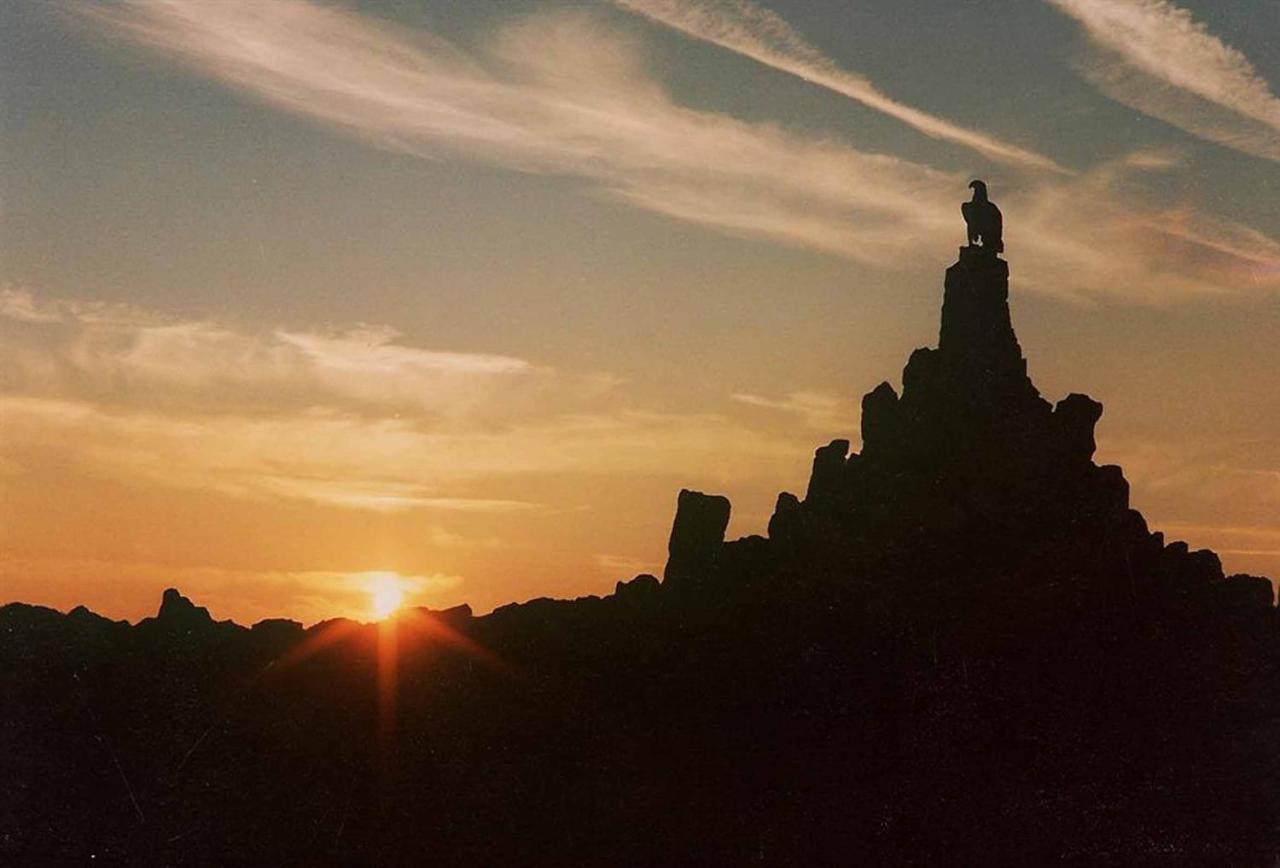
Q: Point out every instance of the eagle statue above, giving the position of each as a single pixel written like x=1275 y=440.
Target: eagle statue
x=983 y=220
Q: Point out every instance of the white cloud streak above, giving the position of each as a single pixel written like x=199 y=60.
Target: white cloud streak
x=1155 y=57
x=120 y=353
x=752 y=31
x=556 y=94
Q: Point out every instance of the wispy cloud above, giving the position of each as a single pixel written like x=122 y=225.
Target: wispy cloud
x=354 y=419
x=819 y=411
x=752 y=31
x=112 y=352
x=561 y=93
x=555 y=93
x=623 y=565
x=1155 y=57
x=1093 y=237
x=334 y=458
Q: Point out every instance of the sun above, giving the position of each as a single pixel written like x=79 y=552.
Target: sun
x=386 y=592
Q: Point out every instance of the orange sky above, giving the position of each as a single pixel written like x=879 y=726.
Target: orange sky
x=292 y=294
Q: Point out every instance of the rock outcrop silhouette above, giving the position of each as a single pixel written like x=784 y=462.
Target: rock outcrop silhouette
x=696 y=538
x=962 y=646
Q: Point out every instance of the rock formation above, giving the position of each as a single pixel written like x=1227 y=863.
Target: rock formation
x=962 y=646
x=970 y=462
x=696 y=537
x=178 y=611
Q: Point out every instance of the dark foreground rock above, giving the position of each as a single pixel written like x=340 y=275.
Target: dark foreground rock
x=962 y=646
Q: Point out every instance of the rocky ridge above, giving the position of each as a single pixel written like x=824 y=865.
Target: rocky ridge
x=961 y=645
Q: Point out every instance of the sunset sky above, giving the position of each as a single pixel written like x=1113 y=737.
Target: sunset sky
x=296 y=295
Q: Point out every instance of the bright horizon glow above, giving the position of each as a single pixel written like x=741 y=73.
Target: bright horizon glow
x=386 y=592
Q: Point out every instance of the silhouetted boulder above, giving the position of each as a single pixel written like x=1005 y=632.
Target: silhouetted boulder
x=1112 y=488
x=455 y=616
x=177 y=610
x=828 y=474
x=1075 y=417
x=923 y=377
x=785 y=524
x=1207 y=565
x=333 y=626
x=880 y=420
x=696 y=537
x=642 y=587
x=278 y=630
x=1249 y=593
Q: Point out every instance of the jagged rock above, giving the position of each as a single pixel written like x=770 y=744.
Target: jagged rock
x=972 y=618
x=455 y=616
x=922 y=377
x=336 y=626
x=879 y=419
x=17 y=617
x=1075 y=417
x=828 y=471
x=1112 y=488
x=276 y=628
x=1248 y=593
x=976 y=339
x=785 y=524
x=1207 y=565
x=750 y=560
x=696 y=537
x=276 y=635
x=459 y=614
x=642 y=587
x=975 y=311
x=88 y=617
x=178 y=611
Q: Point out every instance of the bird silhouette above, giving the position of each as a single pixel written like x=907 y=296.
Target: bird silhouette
x=983 y=220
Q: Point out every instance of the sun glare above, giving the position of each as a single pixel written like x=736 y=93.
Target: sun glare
x=386 y=591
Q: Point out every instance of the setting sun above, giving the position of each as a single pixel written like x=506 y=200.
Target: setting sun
x=386 y=592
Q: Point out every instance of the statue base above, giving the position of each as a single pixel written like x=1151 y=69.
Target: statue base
x=973 y=253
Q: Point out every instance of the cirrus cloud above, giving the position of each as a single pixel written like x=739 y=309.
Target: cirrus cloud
x=752 y=31
x=564 y=94
x=1155 y=57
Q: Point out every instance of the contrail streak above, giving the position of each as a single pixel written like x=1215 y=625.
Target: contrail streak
x=742 y=27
